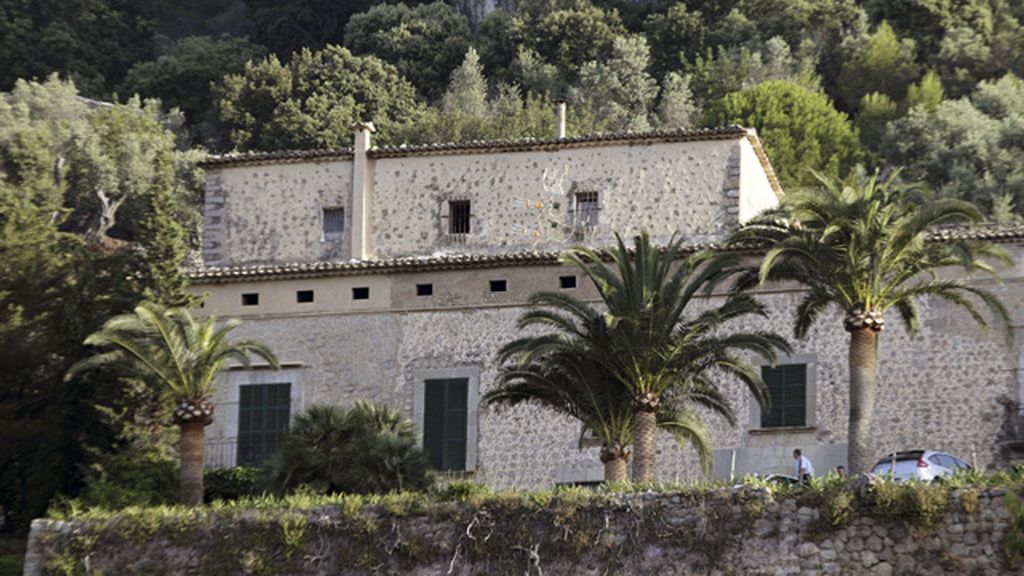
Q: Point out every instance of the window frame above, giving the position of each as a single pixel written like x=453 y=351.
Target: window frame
x=786 y=370
x=471 y=372
x=460 y=217
x=333 y=235
x=586 y=211
x=263 y=433
x=810 y=403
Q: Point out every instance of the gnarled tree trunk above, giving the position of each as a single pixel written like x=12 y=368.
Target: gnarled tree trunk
x=863 y=391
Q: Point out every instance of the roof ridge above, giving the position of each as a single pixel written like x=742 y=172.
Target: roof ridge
x=475 y=146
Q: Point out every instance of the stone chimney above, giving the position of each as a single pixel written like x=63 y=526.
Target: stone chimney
x=362 y=188
x=560 y=125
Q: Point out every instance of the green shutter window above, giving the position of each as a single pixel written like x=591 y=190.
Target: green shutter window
x=444 y=423
x=263 y=414
x=787 y=388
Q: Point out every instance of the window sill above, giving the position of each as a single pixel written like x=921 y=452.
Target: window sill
x=783 y=430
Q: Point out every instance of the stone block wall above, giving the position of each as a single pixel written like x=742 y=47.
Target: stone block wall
x=941 y=390
x=738 y=531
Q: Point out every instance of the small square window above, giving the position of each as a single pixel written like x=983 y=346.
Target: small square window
x=499 y=286
x=424 y=289
x=251 y=299
x=361 y=293
x=334 y=223
x=458 y=217
x=304 y=296
x=567 y=282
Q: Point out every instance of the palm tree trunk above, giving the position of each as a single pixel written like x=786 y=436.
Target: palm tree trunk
x=863 y=390
x=615 y=471
x=191 y=449
x=644 y=454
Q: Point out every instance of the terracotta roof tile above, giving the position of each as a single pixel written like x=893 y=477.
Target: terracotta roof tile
x=215 y=275
x=478 y=147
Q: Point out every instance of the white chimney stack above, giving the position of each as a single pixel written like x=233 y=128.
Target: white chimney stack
x=361 y=191
x=560 y=107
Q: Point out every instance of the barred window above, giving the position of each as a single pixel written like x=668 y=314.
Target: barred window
x=458 y=217
x=585 y=215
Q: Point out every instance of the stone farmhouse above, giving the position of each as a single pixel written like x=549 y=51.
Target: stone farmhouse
x=395 y=273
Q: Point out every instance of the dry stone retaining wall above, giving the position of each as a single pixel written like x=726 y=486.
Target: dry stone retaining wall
x=740 y=531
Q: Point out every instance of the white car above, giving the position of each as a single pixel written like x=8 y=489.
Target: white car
x=922 y=465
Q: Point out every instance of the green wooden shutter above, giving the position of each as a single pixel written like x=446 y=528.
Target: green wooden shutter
x=445 y=413
x=263 y=414
x=787 y=388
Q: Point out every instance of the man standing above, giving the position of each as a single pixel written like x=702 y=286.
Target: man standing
x=804 y=470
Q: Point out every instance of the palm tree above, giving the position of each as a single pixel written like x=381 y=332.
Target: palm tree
x=168 y=348
x=570 y=382
x=862 y=244
x=643 y=342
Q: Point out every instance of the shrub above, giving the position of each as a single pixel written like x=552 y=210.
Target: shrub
x=368 y=448
x=232 y=483
x=131 y=479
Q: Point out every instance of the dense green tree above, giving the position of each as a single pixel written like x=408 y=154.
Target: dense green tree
x=616 y=94
x=928 y=21
x=93 y=42
x=861 y=245
x=876 y=111
x=182 y=76
x=880 y=62
x=171 y=351
x=733 y=69
x=313 y=100
x=967 y=148
x=565 y=33
x=287 y=26
x=676 y=36
x=365 y=449
x=424 y=42
x=800 y=129
x=648 y=337
x=676 y=108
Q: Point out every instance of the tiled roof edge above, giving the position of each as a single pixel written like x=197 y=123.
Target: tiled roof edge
x=999 y=233
x=480 y=147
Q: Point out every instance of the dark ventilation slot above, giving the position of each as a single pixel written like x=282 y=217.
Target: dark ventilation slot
x=499 y=286
x=304 y=296
x=251 y=299
x=361 y=293
x=424 y=289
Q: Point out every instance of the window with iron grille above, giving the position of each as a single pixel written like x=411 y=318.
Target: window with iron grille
x=445 y=418
x=263 y=414
x=585 y=212
x=458 y=217
x=787 y=389
x=334 y=223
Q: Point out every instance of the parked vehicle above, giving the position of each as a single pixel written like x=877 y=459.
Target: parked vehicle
x=921 y=465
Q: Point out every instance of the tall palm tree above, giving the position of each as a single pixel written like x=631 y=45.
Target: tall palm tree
x=166 y=347
x=862 y=244
x=642 y=339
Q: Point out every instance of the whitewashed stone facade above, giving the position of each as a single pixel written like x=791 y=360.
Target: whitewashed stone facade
x=952 y=388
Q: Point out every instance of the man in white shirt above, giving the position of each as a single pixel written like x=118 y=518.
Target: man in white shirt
x=804 y=469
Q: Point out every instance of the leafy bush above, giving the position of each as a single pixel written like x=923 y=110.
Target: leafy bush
x=368 y=448
x=916 y=501
x=131 y=479
x=232 y=483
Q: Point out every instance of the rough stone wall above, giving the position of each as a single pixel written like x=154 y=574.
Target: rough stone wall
x=273 y=213
x=739 y=531
x=524 y=200
x=941 y=390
